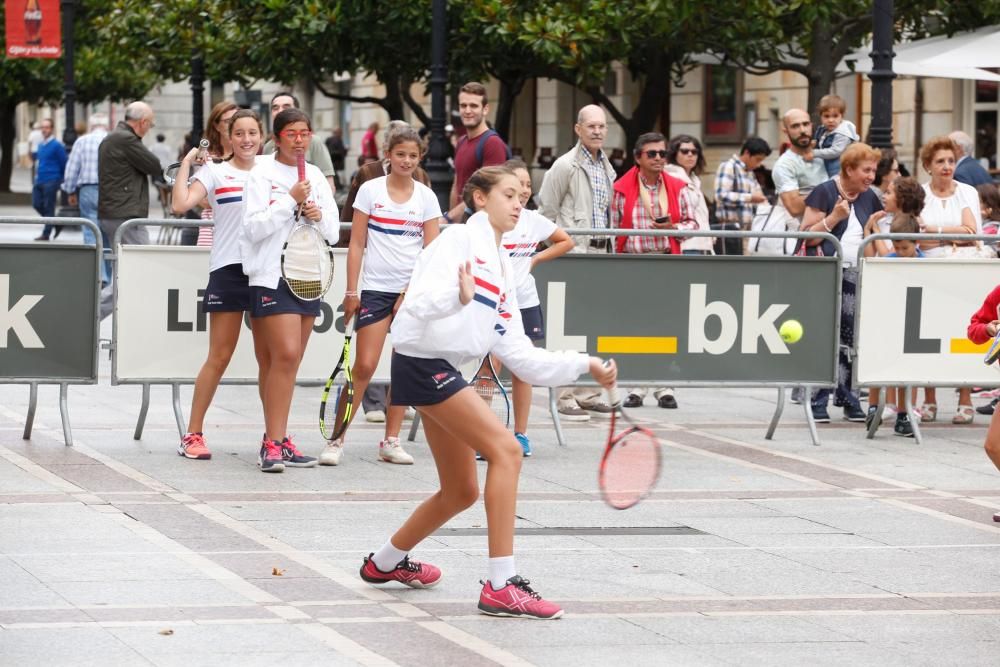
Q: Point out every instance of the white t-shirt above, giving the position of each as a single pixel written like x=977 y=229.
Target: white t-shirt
x=224 y=184
x=395 y=233
x=520 y=243
x=850 y=241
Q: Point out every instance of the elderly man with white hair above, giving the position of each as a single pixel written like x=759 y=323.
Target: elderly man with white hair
x=124 y=167
x=968 y=170
x=576 y=194
x=80 y=181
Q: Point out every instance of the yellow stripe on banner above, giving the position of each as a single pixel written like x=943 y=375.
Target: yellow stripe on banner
x=637 y=345
x=966 y=346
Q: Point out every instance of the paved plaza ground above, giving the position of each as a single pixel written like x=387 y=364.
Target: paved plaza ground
x=119 y=552
x=751 y=552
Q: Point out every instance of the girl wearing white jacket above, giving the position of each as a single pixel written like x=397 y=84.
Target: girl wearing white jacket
x=461 y=305
x=281 y=320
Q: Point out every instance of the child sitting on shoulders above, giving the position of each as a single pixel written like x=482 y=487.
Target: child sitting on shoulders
x=834 y=133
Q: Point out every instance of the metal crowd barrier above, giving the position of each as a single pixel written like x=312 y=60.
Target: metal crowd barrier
x=169 y=228
x=624 y=379
x=77 y=361
x=989 y=240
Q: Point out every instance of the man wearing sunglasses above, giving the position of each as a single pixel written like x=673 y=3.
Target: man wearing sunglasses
x=646 y=197
x=316 y=154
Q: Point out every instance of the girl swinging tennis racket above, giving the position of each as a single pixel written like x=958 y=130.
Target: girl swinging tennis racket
x=462 y=304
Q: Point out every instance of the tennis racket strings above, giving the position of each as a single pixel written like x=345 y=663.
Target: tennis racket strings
x=631 y=468
x=307 y=263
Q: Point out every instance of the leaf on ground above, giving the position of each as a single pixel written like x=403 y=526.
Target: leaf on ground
x=166 y=631
x=277 y=572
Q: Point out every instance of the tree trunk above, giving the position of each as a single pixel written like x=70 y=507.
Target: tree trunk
x=510 y=88
x=7 y=136
x=821 y=66
x=393 y=103
x=655 y=90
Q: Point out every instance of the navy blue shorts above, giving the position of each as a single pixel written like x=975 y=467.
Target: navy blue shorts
x=228 y=291
x=418 y=381
x=375 y=307
x=531 y=318
x=281 y=301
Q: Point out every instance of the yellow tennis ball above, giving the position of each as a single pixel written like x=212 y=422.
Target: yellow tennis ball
x=791 y=331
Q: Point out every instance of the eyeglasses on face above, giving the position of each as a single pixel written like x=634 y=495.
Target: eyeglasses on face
x=687 y=151
x=654 y=154
x=292 y=135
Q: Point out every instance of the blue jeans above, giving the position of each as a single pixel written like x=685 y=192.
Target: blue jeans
x=43 y=200
x=87 y=199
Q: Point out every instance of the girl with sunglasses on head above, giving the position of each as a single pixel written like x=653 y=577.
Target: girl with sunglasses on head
x=462 y=305
x=394 y=217
x=282 y=321
x=228 y=293
x=219 y=148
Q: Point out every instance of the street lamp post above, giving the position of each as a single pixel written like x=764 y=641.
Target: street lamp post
x=437 y=154
x=880 y=133
x=197 y=97
x=69 y=82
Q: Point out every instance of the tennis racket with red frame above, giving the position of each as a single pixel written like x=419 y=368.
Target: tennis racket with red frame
x=630 y=467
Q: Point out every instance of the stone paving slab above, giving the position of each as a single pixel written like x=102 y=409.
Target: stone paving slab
x=872 y=552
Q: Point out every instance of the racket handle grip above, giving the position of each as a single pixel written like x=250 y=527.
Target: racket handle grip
x=300 y=164
x=614 y=396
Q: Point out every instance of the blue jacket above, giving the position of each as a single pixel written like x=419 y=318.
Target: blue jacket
x=51 y=158
x=970 y=172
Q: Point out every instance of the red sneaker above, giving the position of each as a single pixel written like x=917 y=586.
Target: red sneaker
x=409 y=572
x=193 y=447
x=516 y=599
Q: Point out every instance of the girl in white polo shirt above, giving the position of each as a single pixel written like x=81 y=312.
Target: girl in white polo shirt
x=227 y=296
x=395 y=216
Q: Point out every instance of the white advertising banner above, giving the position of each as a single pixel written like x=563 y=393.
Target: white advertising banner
x=161 y=332
x=914 y=314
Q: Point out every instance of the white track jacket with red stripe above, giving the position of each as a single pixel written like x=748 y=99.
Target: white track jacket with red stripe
x=433 y=324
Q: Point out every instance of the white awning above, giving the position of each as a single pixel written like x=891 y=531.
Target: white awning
x=957 y=57
x=863 y=65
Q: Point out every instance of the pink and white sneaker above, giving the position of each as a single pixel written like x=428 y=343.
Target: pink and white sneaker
x=516 y=599
x=193 y=447
x=410 y=572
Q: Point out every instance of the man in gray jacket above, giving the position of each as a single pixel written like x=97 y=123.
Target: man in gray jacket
x=576 y=194
x=124 y=168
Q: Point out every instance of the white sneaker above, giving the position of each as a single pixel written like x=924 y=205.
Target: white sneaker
x=330 y=456
x=410 y=414
x=375 y=416
x=889 y=413
x=391 y=451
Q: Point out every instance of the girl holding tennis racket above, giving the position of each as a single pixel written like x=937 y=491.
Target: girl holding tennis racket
x=461 y=305
x=276 y=200
x=394 y=217
x=228 y=293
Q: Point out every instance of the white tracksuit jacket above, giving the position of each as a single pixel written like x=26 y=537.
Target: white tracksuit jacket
x=433 y=324
x=269 y=216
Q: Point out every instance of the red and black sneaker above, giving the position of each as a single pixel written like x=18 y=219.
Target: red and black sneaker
x=516 y=599
x=409 y=572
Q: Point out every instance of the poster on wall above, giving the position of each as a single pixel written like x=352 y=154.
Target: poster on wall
x=33 y=28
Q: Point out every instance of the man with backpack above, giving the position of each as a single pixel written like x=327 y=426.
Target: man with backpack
x=480 y=147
